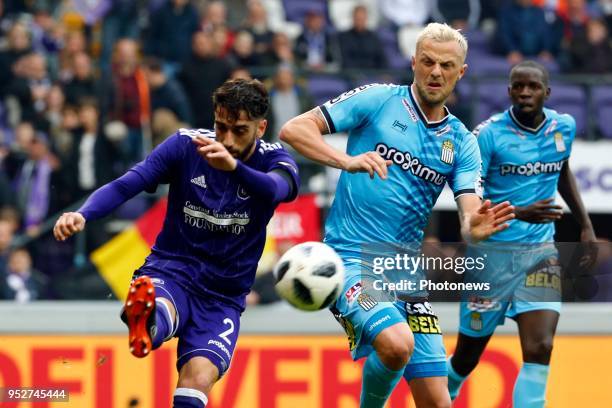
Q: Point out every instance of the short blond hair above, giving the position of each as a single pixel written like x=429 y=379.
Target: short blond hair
x=442 y=33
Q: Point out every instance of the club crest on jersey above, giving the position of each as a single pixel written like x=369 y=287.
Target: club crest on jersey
x=448 y=152
x=242 y=193
x=476 y=321
x=366 y=301
x=559 y=142
x=199 y=181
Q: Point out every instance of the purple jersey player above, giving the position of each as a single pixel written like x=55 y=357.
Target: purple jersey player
x=224 y=187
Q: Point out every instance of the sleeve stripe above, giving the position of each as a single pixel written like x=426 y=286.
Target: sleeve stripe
x=465 y=191
x=328 y=120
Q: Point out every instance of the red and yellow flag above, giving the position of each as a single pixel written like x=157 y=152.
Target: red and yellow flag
x=121 y=256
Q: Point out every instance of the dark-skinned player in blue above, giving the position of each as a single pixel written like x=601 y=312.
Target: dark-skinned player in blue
x=224 y=187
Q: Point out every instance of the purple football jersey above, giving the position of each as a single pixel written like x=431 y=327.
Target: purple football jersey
x=214 y=231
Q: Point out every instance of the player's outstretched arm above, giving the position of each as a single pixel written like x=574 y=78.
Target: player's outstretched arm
x=68 y=224
x=101 y=203
x=479 y=220
x=305 y=134
x=540 y=212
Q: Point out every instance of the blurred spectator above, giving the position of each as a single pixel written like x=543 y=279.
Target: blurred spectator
x=406 y=12
x=214 y=21
x=575 y=17
x=30 y=86
x=23 y=283
x=47 y=37
x=243 y=51
x=591 y=52
x=316 y=46
x=18 y=45
x=75 y=44
x=6 y=238
x=280 y=52
x=460 y=14
x=170 y=32
x=240 y=73
x=166 y=93
x=92 y=153
x=61 y=138
x=256 y=23
x=200 y=76
x=524 y=32
x=287 y=100
x=82 y=83
x=361 y=48
x=121 y=21
x=605 y=6
x=50 y=119
x=32 y=183
x=127 y=100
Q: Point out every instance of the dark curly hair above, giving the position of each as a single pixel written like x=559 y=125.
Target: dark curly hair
x=240 y=94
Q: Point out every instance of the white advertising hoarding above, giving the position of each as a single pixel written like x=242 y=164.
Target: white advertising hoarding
x=591 y=163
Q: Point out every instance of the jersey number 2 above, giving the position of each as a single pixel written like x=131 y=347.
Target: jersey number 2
x=229 y=331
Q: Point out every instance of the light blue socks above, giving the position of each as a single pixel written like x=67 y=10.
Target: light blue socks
x=454 y=380
x=378 y=382
x=530 y=386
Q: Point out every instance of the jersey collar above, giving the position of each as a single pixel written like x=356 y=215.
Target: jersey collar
x=526 y=128
x=422 y=115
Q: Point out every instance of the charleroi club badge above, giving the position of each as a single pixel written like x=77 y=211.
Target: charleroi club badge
x=448 y=152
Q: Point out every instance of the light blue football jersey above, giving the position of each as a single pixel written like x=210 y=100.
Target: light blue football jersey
x=522 y=165
x=426 y=155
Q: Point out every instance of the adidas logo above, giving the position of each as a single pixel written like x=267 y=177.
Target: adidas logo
x=199 y=181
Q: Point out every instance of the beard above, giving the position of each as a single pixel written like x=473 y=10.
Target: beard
x=432 y=99
x=242 y=154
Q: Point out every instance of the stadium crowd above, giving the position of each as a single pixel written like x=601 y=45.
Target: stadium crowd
x=87 y=88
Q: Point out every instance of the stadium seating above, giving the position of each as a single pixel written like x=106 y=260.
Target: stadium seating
x=602 y=103
x=295 y=10
x=570 y=99
x=322 y=88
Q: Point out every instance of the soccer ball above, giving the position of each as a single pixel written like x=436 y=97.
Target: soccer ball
x=309 y=276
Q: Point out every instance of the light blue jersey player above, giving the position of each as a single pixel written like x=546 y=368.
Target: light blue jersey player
x=406 y=136
x=525 y=152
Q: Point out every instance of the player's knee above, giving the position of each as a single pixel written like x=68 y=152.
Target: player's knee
x=538 y=351
x=199 y=374
x=198 y=381
x=395 y=346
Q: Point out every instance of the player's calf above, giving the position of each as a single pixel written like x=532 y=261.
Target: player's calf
x=196 y=379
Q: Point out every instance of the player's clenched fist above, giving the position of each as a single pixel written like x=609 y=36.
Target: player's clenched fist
x=67 y=225
x=215 y=154
x=370 y=163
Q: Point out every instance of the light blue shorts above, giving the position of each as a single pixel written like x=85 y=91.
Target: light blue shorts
x=363 y=317
x=522 y=279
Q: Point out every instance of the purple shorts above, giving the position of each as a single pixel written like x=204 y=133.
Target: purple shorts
x=205 y=327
